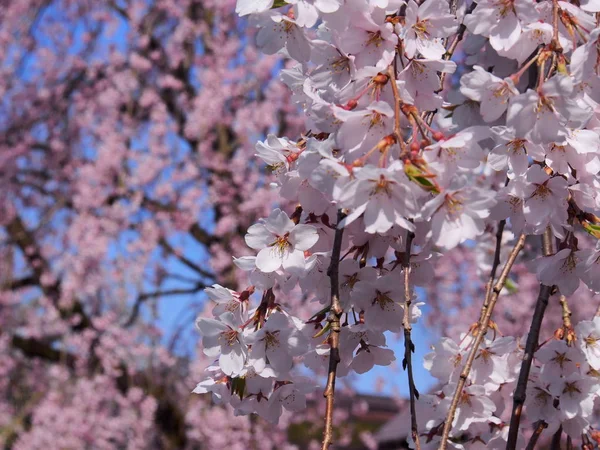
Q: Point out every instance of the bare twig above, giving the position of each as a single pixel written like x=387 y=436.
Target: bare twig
x=530 y=347
x=555 y=444
x=541 y=426
x=495 y=264
x=135 y=311
x=555 y=43
x=483 y=326
x=568 y=333
x=457 y=38
x=335 y=315
x=566 y=313
x=397 y=103
x=409 y=346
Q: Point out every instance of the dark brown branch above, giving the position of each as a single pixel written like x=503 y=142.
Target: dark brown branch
x=541 y=426
x=530 y=348
x=25 y=240
x=409 y=346
x=495 y=264
x=555 y=444
x=189 y=263
x=35 y=348
x=334 y=319
x=17 y=283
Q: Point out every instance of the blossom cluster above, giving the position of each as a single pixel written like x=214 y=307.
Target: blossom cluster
x=563 y=387
x=419 y=158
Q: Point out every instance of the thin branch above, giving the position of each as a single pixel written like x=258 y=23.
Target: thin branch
x=149 y=295
x=397 y=103
x=541 y=426
x=192 y=265
x=457 y=38
x=17 y=283
x=567 y=328
x=555 y=43
x=495 y=265
x=409 y=346
x=530 y=348
x=482 y=330
x=334 y=319
x=555 y=444
x=35 y=348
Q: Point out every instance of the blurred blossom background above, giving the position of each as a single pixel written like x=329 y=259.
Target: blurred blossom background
x=127 y=182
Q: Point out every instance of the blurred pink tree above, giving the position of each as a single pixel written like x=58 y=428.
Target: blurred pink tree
x=126 y=179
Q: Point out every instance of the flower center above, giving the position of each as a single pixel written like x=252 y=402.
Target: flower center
x=501 y=91
x=542 y=191
x=561 y=359
x=590 y=341
x=569 y=263
x=453 y=205
x=571 y=388
x=506 y=7
x=421 y=29
x=465 y=398
x=382 y=186
x=516 y=146
x=340 y=65
x=230 y=337
x=350 y=281
x=374 y=38
x=383 y=300
x=281 y=245
x=271 y=339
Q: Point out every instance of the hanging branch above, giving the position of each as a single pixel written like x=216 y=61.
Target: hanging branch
x=334 y=320
x=541 y=426
x=482 y=329
x=397 y=104
x=555 y=444
x=495 y=265
x=568 y=333
x=409 y=346
x=530 y=347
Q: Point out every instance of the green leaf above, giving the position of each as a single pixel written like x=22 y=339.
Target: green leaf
x=511 y=286
x=324 y=330
x=592 y=229
x=321 y=312
x=416 y=175
x=278 y=4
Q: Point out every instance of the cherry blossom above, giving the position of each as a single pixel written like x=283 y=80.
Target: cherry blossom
x=224 y=338
x=424 y=26
x=281 y=243
x=491 y=92
x=275 y=342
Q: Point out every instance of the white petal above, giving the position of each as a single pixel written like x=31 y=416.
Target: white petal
x=293 y=262
x=268 y=260
x=303 y=237
x=259 y=236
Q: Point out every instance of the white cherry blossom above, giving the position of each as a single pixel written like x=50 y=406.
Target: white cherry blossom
x=276 y=344
x=224 y=338
x=281 y=243
x=492 y=92
x=384 y=196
